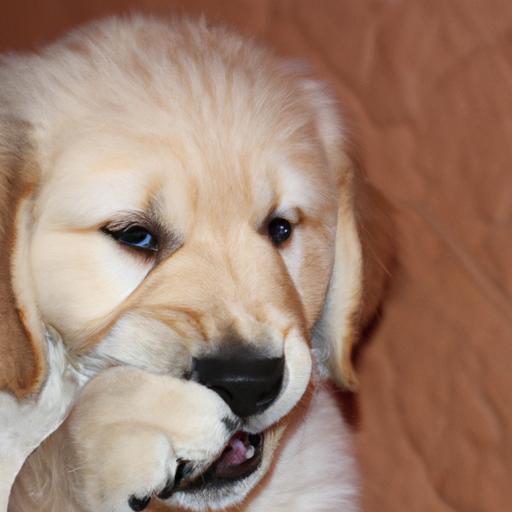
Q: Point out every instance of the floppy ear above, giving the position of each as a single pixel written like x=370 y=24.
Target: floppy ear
x=364 y=250
x=22 y=355
x=376 y=232
x=363 y=259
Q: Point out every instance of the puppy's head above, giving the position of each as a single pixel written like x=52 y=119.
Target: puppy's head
x=186 y=206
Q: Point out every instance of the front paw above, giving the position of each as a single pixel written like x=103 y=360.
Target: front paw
x=136 y=435
x=125 y=466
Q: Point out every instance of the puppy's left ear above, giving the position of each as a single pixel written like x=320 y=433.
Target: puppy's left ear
x=22 y=349
x=364 y=253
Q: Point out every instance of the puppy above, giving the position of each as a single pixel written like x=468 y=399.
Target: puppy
x=185 y=221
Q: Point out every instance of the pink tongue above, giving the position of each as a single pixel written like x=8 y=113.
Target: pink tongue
x=235 y=454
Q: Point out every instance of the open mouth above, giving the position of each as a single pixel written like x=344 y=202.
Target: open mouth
x=241 y=457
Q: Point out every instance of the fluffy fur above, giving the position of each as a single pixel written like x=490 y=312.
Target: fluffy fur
x=200 y=138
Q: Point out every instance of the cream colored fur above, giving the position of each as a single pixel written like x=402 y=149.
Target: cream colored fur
x=24 y=425
x=201 y=138
x=129 y=451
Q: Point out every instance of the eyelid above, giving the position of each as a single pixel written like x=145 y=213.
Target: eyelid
x=292 y=215
x=124 y=222
x=118 y=233
x=168 y=240
x=128 y=221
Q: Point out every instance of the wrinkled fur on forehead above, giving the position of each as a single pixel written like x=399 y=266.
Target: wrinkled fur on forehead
x=99 y=75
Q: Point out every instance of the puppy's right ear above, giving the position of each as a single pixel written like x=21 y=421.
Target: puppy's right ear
x=363 y=260
x=22 y=355
x=364 y=247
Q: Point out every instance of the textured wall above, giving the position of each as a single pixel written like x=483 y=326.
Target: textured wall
x=427 y=86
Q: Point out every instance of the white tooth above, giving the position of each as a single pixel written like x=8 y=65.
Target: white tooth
x=250 y=452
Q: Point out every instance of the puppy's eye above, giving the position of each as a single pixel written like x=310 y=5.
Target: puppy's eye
x=279 y=230
x=135 y=236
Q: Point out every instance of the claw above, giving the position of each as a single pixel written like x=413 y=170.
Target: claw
x=138 y=504
x=166 y=492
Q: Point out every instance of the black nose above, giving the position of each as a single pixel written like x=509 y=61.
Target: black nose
x=247 y=383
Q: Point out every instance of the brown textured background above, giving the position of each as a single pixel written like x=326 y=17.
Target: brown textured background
x=427 y=86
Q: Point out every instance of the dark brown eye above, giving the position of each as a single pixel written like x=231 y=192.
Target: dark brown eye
x=135 y=236
x=279 y=230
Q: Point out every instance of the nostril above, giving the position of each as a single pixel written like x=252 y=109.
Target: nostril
x=267 y=397
x=249 y=384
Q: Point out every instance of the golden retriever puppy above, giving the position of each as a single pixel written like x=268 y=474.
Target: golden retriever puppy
x=182 y=220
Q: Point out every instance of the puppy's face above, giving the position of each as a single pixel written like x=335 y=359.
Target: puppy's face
x=184 y=222
x=214 y=238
